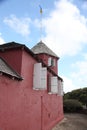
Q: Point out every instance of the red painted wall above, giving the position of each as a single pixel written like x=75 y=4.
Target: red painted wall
x=21 y=107
x=13 y=57
x=45 y=58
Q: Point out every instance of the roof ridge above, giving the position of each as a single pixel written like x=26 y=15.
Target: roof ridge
x=43 y=48
x=10 y=45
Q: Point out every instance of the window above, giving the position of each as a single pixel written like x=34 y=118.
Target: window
x=49 y=83
x=51 y=61
x=53 y=88
x=39 y=77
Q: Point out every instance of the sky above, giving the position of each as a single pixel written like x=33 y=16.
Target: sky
x=62 y=27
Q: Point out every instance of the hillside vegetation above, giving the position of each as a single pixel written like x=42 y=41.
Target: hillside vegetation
x=75 y=100
x=78 y=94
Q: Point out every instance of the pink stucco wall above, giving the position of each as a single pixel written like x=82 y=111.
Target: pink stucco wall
x=21 y=107
x=45 y=58
x=13 y=57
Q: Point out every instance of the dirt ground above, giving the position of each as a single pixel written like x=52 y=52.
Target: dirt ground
x=72 y=122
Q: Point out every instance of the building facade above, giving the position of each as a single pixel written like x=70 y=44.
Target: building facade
x=31 y=92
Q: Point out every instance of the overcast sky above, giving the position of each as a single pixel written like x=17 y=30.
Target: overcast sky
x=64 y=30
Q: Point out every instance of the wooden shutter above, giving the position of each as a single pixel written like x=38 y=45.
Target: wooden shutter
x=60 y=87
x=54 y=85
x=49 y=61
x=37 y=76
x=44 y=78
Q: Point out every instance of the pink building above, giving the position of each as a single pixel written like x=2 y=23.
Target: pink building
x=31 y=92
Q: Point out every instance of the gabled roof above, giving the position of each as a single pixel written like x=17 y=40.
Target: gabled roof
x=42 y=48
x=7 y=70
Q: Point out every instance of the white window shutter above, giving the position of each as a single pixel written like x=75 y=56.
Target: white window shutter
x=44 y=78
x=54 y=85
x=37 y=76
x=49 y=61
x=60 y=87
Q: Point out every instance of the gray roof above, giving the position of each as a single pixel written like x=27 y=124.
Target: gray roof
x=42 y=48
x=10 y=45
x=39 y=48
x=6 y=69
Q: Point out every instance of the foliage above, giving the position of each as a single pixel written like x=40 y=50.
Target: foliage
x=71 y=105
x=79 y=94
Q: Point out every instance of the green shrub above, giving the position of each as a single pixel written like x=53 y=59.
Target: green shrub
x=71 y=105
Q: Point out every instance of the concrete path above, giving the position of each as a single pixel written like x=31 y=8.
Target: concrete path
x=72 y=122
